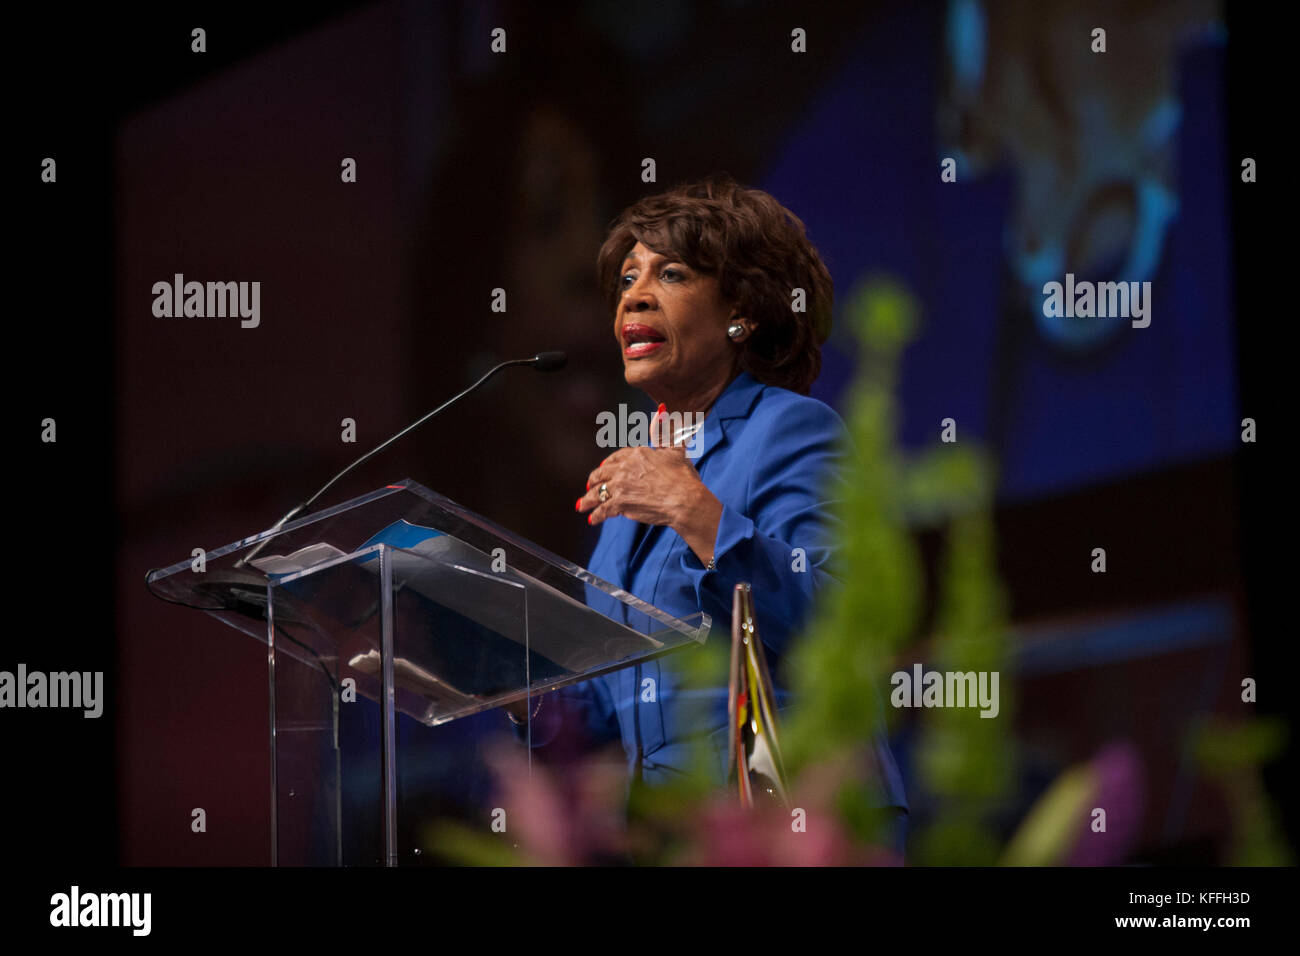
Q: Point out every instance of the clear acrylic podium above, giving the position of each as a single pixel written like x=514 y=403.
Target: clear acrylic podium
x=406 y=598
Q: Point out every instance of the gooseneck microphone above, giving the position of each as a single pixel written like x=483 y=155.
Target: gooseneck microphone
x=542 y=362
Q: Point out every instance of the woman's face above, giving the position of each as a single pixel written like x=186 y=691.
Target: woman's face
x=671 y=325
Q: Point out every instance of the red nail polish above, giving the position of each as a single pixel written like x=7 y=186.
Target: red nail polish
x=578 y=505
x=589 y=486
x=663 y=409
x=589 y=517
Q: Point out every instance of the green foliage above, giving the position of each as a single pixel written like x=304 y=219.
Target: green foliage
x=843 y=663
x=845 y=656
x=457 y=843
x=1049 y=831
x=1234 y=754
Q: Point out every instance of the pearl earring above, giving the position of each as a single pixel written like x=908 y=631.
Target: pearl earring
x=735 y=330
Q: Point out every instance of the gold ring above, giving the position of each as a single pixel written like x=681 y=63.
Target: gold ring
x=604 y=492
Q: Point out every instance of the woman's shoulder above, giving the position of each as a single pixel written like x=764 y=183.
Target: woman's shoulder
x=781 y=411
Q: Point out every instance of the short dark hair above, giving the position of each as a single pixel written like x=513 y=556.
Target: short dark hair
x=759 y=252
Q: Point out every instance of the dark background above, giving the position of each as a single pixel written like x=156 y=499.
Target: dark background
x=473 y=175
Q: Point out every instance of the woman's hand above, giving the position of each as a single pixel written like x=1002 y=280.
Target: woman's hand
x=656 y=486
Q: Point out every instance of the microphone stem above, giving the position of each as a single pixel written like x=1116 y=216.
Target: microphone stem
x=416 y=424
x=378 y=448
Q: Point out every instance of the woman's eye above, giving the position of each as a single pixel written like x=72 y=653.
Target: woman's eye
x=672 y=275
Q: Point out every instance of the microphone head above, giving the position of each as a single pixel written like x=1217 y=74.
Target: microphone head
x=549 y=361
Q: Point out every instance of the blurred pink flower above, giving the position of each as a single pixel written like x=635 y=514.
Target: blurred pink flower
x=729 y=835
x=564 y=818
x=577 y=815
x=1119 y=790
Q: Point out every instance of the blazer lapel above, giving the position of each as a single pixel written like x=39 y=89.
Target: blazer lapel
x=735 y=402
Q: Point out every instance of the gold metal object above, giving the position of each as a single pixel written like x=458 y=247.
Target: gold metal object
x=753 y=752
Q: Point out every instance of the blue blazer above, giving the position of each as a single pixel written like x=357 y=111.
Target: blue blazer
x=767 y=454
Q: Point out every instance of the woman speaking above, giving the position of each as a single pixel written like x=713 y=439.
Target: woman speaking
x=720 y=305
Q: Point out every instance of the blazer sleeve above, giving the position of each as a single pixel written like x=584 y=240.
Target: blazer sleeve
x=780 y=542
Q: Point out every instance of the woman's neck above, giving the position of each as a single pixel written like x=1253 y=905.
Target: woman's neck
x=700 y=403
